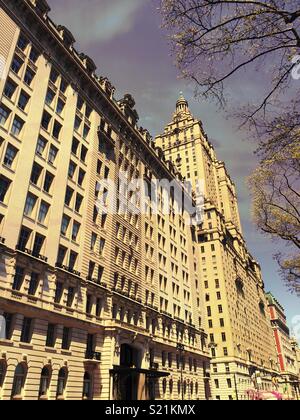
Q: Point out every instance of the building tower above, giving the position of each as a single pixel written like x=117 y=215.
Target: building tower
x=239 y=327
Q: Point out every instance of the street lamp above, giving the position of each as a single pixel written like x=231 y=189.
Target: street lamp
x=180 y=348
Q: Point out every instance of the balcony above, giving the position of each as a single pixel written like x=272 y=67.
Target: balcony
x=93 y=356
x=32 y=253
x=69 y=269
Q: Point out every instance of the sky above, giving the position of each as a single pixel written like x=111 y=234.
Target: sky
x=125 y=39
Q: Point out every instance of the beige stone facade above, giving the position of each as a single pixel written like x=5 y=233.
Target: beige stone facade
x=240 y=336
x=95 y=305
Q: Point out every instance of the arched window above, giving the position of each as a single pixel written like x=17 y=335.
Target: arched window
x=87 y=386
x=164 y=386
x=19 y=381
x=45 y=382
x=2 y=372
x=171 y=386
x=62 y=382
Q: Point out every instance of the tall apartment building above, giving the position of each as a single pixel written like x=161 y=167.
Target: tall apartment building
x=287 y=349
x=240 y=334
x=96 y=305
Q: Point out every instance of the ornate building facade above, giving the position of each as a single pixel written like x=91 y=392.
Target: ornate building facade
x=93 y=304
x=287 y=349
x=240 y=335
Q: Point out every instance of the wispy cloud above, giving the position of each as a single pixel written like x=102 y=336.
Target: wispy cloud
x=96 y=20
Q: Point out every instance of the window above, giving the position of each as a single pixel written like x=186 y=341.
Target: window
x=52 y=154
x=8 y=321
x=17 y=126
x=19 y=381
x=2 y=372
x=16 y=64
x=222 y=323
x=4 y=186
x=87 y=386
x=23 y=240
x=86 y=131
x=70 y=297
x=223 y=337
x=50 y=340
x=4 y=114
x=56 y=129
x=33 y=285
x=68 y=196
x=61 y=255
x=38 y=245
x=10 y=89
x=41 y=146
x=36 y=173
x=78 y=202
x=81 y=177
x=101 y=246
x=65 y=225
x=93 y=241
x=66 y=339
x=10 y=155
x=23 y=100
x=53 y=76
x=63 y=86
x=26 y=330
x=220 y=308
x=50 y=96
x=73 y=259
x=18 y=278
x=72 y=169
x=217 y=384
x=58 y=292
x=77 y=123
x=75 y=231
x=89 y=304
x=225 y=351
x=61 y=382
x=79 y=104
x=229 y=383
x=34 y=55
x=45 y=382
x=48 y=182
x=84 y=151
x=30 y=204
x=75 y=145
x=29 y=76
x=22 y=42
x=46 y=120
x=60 y=106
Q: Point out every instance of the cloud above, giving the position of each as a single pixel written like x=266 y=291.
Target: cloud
x=95 y=20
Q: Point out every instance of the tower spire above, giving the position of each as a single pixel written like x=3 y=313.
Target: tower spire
x=182 y=107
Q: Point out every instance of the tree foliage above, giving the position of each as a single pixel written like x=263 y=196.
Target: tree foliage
x=215 y=40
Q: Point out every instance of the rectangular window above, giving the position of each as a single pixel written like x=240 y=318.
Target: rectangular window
x=16 y=64
x=48 y=182
x=83 y=154
x=34 y=55
x=50 y=340
x=53 y=76
x=22 y=42
x=66 y=339
x=10 y=155
x=17 y=126
x=46 y=120
x=8 y=320
x=23 y=100
x=60 y=106
x=61 y=255
x=89 y=304
x=52 y=154
x=68 y=196
x=26 y=330
x=30 y=205
x=33 y=285
x=58 y=292
x=24 y=238
x=38 y=245
x=56 y=129
x=36 y=173
x=75 y=145
x=78 y=202
x=75 y=231
x=72 y=260
x=41 y=146
x=29 y=76
x=81 y=177
x=18 y=278
x=10 y=89
x=77 y=123
x=70 y=298
x=50 y=97
x=65 y=225
x=72 y=169
x=4 y=114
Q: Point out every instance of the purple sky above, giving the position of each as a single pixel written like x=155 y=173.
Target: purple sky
x=125 y=40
